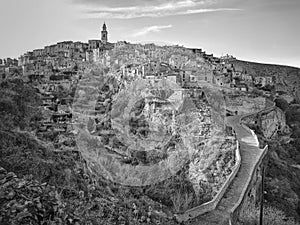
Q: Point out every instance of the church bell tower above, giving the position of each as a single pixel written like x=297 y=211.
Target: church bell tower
x=104 y=34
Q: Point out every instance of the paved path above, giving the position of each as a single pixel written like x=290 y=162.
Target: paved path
x=250 y=154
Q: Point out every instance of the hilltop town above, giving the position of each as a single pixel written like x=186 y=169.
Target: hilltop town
x=56 y=69
x=185 y=64
x=156 y=117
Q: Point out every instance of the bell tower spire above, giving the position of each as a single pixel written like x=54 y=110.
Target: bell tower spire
x=104 y=34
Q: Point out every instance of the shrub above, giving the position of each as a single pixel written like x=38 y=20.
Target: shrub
x=18 y=105
x=181 y=201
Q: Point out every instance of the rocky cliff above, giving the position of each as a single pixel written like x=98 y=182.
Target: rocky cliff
x=282 y=177
x=268 y=122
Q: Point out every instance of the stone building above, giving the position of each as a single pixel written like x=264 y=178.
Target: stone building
x=38 y=52
x=94 y=44
x=96 y=48
x=177 y=60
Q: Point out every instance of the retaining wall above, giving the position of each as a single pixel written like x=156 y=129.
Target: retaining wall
x=234 y=213
x=211 y=205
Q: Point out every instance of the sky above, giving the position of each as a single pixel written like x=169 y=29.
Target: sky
x=265 y=31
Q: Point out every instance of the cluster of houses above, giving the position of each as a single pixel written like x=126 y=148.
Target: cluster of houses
x=56 y=69
x=63 y=56
x=181 y=65
x=229 y=75
x=9 y=68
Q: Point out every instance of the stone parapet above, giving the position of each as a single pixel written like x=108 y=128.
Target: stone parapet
x=211 y=205
x=235 y=211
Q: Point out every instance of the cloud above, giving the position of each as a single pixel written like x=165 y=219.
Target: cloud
x=143 y=9
x=139 y=13
x=125 y=3
x=150 y=29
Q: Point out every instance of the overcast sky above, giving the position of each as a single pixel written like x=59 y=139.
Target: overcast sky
x=254 y=30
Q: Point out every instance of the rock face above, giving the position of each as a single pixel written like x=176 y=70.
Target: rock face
x=169 y=124
x=269 y=122
x=282 y=179
x=273 y=122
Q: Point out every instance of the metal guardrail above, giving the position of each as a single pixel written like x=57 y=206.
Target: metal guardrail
x=211 y=205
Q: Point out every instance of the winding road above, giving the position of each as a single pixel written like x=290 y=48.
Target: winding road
x=251 y=155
